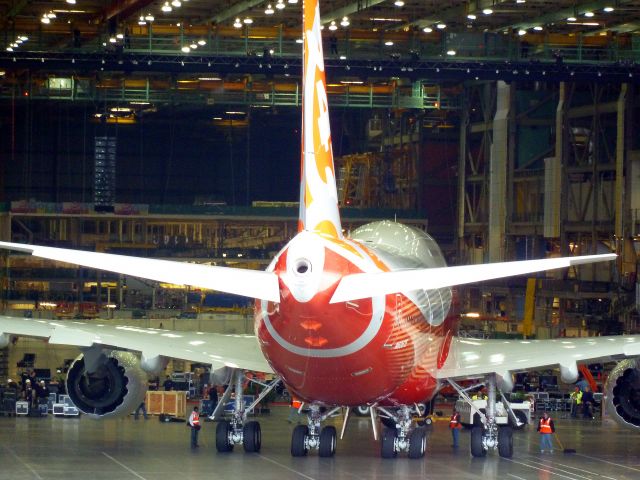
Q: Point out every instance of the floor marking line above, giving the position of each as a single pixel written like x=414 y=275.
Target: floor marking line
x=537 y=468
x=29 y=467
x=534 y=460
x=582 y=470
x=515 y=476
x=132 y=472
x=285 y=467
x=606 y=461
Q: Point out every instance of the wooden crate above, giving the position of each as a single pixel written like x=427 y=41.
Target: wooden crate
x=167 y=403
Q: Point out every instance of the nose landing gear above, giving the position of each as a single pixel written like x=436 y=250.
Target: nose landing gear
x=312 y=437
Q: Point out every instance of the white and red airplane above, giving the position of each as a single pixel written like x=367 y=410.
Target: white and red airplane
x=342 y=321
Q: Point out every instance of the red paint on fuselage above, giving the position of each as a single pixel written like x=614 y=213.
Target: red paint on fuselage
x=394 y=365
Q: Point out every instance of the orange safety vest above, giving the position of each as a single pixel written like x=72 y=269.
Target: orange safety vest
x=296 y=404
x=454 y=422
x=545 y=425
x=195 y=419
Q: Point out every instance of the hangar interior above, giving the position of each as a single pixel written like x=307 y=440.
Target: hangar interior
x=505 y=129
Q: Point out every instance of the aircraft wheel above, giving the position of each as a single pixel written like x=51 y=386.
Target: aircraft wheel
x=417 y=443
x=388 y=444
x=327 y=442
x=362 y=410
x=222 y=437
x=252 y=437
x=505 y=441
x=477 y=449
x=298 y=441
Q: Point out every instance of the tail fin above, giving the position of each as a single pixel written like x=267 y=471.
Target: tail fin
x=318 y=194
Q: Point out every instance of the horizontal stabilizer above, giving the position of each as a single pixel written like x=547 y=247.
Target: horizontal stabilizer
x=248 y=283
x=366 y=285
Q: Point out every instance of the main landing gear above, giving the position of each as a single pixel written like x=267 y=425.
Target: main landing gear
x=400 y=435
x=489 y=435
x=312 y=436
x=237 y=430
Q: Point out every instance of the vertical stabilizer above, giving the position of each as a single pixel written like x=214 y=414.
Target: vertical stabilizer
x=318 y=195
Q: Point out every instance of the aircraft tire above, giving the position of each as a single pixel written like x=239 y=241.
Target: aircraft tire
x=388 y=443
x=298 y=441
x=252 y=437
x=362 y=410
x=328 y=438
x=417 y=443
x=505 y=441
x=222 y=437
x=477 y=450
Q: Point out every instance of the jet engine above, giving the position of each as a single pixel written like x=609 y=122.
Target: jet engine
x=622 y=392
x=109 y=385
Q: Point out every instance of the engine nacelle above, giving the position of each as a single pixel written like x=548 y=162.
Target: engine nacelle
x=622 y=392
x=116 y=387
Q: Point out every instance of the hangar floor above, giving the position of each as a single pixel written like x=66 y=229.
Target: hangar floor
x=72 y=448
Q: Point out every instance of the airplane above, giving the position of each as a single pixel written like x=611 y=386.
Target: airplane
x=342 y=321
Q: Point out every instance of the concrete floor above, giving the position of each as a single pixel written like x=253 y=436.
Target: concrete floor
x=80 y=448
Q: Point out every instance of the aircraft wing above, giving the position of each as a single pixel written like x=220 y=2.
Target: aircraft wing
x=218 y=350
x=366 y=285
x=470 y=357
x=239 y=281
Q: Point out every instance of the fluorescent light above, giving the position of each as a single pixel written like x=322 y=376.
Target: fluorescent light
x=571 y=19
x=269 y=10
x=141 y=21
x=388 y=43
x=345 y=22
x=9 y=49
x=202 y=42
x=343 y=57
x=471 y=16
x=119 y=36
x=166 y=8
x=451 y=52
x=441 y=26
x=149 y=18
x=522 y=32
x=112 y=40
x=193 y=45
x=299 y=40
x=399 y=3
x=121 y=109
x=235 y=113
x=521 y=1
x=378 y=19
x=427 y=29
x=71 y=2
x=608 y=9
x=292 y=1
x=24 y=38
x=280 y=5
x=351 y=82
x=237 y=23
x=248 y=21
x=588 y=14
x=51 y=15
x=537 y=28
x=487 y=11
x=209 y=79
x=186 y=49
x=176 y=3
x=333 y=26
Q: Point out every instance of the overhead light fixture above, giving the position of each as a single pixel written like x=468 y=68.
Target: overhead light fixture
x=119 y=36
x=292 y=1
x=333 y=26
x=71 y=2
x=588 y=14
x=237 y=23
x=202 y=42
x=248 y=21
x=522 y=32
x=235 y=113
x=299 y=40
x=451 y=52
x=149 y=18
x=487 y=11
x=537 y=28
x=280 y=5
x=193 y=45
x=176 y=3
x=141 y=21
x=441 y=26
x=471 y=16
x=388 y=43
x=186 y=49
x=112 y=40
x=51 y=14
x=571 y=19
x=521 y=1
x=351 y=82
x=345 y=22
x=209 y=79
x=343 y=57
x=166 y=8
x=24 y=38
x=608 y=9
x=427 y=29
x=269 y=10
x=399 y=3
x=9 y=49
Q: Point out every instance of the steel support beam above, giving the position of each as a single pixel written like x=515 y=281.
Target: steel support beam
x=620 y=155
x=553 y=172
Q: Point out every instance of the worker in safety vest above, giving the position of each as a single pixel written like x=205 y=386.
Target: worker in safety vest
x=481 y=395
x=194 y=423
x=294 y=410
x=546 y=429
x=455 y=426
x=576 y=401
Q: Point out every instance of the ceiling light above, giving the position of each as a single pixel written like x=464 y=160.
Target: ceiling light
x=388 y=43
x=399 y=3
x=149 y=18
x=537 y=28
x=176 y=3
x=141 y=21
x=269 y=10
x=248 y=21
x=14 y=45
x=333 y=25
x=521 y=1
x=292 y=1
x=186 y=49
x=202 y=42
x=608 y=9
x=522 y=32
x=588 y=14
x=112 y=40
x=51 y=15
x=209 y=79
x=451 y=52
x=471 y=16
x=280 y=5
x=119 y=36
x=18 y=41
x=571 y=19
x=193 y=46
x=24 y=38
x=237 y=23
x=343 y=57
x=299 y=40
x=71 y=2
x=9 y=49
x=345 y=22
x=166 y=8
x=441 y=26
x=487 y=11
x=427 y=29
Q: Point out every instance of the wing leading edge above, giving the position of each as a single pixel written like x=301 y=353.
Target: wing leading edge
x=365 y=285
x=218 y=350
x=249 y=283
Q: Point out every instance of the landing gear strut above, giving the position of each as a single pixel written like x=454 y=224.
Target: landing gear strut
x=237 y=430
x=404 y=437
x=305 y=438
